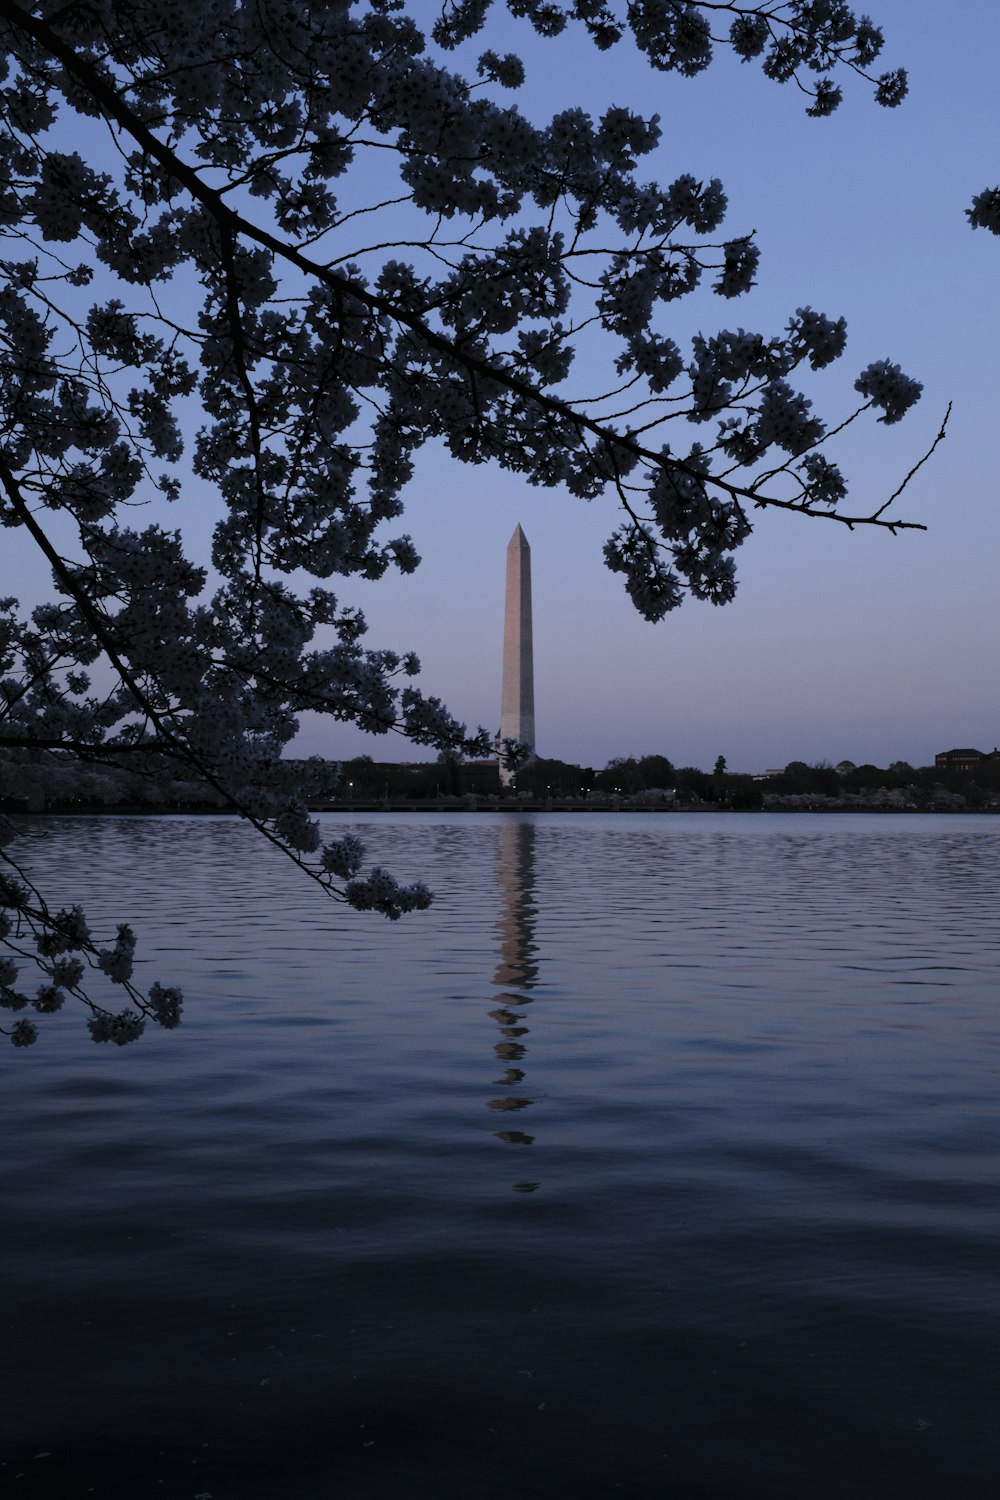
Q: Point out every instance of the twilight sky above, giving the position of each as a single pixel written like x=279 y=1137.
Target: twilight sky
x=859 y=645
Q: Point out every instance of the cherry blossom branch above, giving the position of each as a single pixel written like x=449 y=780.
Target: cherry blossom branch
x=236 y=224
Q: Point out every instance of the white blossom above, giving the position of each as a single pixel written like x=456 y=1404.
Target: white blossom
x=985 y=210
x=888 y=388
x=117 y=962
x=818 y=336
x=343 y=856
x=166 y=1003
x=381 y=892
x=121 y=1029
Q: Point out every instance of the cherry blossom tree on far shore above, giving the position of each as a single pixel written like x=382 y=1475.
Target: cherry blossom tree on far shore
x=270 y=250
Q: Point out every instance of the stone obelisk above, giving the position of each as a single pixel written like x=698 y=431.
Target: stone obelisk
x=517 y=698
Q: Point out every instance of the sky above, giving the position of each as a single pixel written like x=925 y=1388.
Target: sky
x=859 y=645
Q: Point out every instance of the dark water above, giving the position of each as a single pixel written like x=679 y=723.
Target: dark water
x=659 y=1158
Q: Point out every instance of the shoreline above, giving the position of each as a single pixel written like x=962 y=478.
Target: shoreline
x=472 y=805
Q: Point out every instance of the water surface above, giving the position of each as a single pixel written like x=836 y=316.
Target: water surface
x=659 y=1158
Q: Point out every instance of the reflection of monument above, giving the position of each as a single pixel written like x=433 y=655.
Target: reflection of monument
x=517 y=697
x=515 y=927
x=517 y=968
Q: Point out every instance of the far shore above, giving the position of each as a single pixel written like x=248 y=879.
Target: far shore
x=472 y=804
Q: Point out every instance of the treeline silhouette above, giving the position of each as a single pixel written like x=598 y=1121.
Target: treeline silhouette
x=47 y=781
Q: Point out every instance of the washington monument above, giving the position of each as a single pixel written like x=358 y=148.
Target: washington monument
x=517 y=698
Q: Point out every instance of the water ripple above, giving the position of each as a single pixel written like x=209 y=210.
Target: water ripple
x=658 y=1158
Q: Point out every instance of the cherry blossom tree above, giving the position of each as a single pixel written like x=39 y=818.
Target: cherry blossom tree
x=270 y=248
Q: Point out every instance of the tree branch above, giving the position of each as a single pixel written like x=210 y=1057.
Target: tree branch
x=233 y=223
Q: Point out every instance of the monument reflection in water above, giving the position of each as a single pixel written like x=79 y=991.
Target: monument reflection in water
x=516 y=971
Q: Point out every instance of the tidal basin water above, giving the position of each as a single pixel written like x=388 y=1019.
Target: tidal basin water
x=659 y=1158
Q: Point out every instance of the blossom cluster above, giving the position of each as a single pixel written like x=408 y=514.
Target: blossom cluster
x=985 y=210
x=886 y=387
x=380 y=891
x=60 y=946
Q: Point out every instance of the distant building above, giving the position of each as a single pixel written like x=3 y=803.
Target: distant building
x=963 y=760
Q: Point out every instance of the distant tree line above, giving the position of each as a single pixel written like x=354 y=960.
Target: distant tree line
x=917 y=786
x=52 y=781
x=41 y=780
